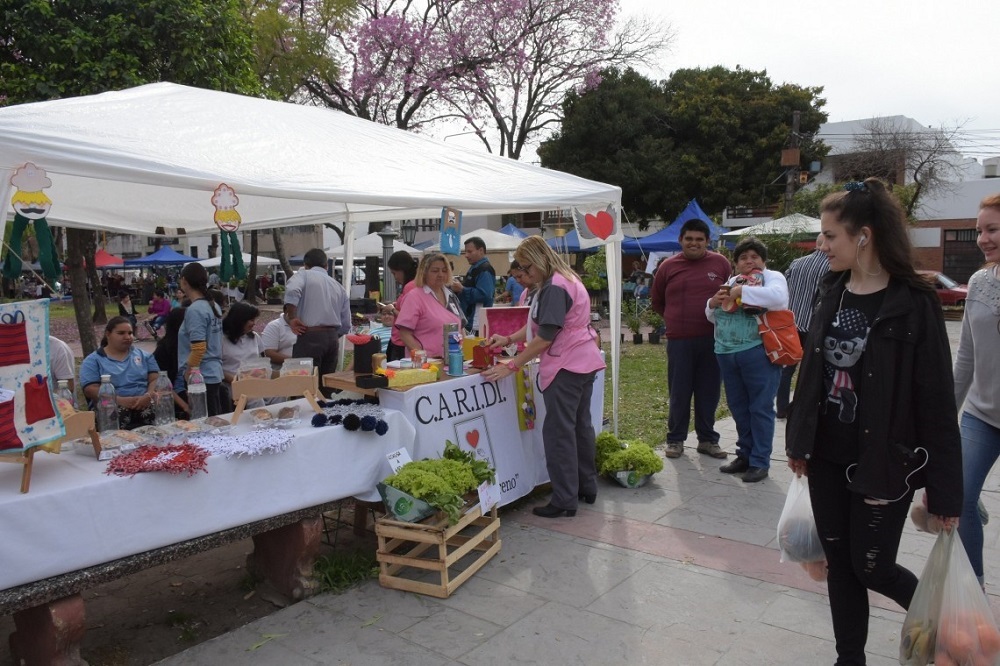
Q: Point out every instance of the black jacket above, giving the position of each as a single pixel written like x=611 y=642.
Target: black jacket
x=908 y=393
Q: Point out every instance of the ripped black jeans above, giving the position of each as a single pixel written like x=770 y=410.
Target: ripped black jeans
x=861 y=541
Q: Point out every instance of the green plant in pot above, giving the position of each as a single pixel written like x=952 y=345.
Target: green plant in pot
x=654 y=321
x=275 y=294
x=634 y=323
x=630 y=464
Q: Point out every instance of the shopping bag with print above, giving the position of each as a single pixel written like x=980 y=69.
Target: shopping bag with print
x=797 y=535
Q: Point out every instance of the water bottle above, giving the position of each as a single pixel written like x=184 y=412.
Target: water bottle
x=164 y=400
x=64 y=393
x=197 y=395
x=107 y=406
x=455 y=357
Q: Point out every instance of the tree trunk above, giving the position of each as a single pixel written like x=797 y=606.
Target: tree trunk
x=89 y=241
x=213 y=249
x=279 y=249
x=251 y=295
x=76 y=240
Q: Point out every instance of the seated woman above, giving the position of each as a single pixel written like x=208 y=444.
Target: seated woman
x=159 y=308
x=239 y=343
x=429 y=307
x=133 y=374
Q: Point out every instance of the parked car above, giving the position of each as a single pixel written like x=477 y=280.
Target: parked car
x=949 y=291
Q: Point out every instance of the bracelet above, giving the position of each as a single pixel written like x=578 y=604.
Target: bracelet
x=510 y=339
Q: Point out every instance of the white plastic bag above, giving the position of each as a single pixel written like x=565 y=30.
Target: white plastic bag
x=797 y=536
x=949 y=621
x=918 y=636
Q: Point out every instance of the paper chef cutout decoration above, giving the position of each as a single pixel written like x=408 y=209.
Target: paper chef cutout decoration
x=597 y=227
x=451 y=231
x=228 y=219
x=31 y=205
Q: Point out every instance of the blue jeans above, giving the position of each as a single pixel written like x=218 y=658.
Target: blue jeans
x=751 y=384
x=980 y=449
x=692 y=371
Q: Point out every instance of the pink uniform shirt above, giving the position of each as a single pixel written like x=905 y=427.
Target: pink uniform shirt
x=424 y=315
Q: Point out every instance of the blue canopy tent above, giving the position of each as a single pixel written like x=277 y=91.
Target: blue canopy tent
x=666 y=239
x=162 y=257
x=569 y=244
x=511 y=230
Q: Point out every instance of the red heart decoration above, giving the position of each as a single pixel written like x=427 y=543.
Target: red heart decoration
x=602 y=224
x=472 y=437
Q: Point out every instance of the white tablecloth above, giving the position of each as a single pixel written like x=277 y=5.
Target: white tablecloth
x=76 y=516
x=482 y=416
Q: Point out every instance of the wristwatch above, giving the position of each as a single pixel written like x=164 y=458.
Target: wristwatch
x=512 y=366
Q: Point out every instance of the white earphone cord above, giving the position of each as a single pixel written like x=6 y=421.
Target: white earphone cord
x=927 y=457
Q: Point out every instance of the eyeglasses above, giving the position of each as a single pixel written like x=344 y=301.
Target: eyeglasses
x=526 y=267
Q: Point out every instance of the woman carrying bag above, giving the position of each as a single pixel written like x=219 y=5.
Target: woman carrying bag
x=874 y=414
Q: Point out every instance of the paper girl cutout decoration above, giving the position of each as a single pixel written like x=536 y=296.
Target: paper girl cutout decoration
x=31 y=205
x=597 y=227
x=228 y=219
x=451 y=231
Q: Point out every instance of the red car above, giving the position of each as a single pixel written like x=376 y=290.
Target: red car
x=949 y=291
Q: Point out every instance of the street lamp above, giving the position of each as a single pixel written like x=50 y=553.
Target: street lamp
x=409 y=231
x=389 y=290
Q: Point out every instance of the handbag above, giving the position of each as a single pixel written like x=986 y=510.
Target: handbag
x=780 y=336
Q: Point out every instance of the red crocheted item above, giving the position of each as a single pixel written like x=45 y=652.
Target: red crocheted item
x=172 y=459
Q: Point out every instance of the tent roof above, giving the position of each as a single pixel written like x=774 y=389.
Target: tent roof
x=151 y=156
x=217 y=261
x=371 y=246
x=512 y=230
x=790 y=225
x=102 y=258
x=495 y=241
x=165 y=255
x=666 y=239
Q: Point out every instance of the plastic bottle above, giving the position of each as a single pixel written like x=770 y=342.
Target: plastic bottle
x=455 y=356
x=197 y=395
x=107 y=406
x=64 y=392
x=163 y=400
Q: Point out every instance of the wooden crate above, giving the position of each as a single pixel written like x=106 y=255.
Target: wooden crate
x=408 y=550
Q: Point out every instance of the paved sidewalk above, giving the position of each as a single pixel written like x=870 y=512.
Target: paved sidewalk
x=682 y=571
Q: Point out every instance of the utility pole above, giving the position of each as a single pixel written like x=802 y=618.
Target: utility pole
x=791 y=161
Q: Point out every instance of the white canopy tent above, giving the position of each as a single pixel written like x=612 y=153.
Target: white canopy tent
x=790 y=225
x=134 y=160
x=371 y=246
x=215 y=262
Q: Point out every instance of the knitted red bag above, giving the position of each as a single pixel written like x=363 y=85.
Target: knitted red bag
x=13 y=339
x=37 y=400
x=8 y=432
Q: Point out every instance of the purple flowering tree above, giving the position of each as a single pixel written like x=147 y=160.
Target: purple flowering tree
x=502 y=67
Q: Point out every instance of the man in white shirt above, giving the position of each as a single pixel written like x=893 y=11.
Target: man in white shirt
x=278 y=340
x=61 y=363
x=318 y=311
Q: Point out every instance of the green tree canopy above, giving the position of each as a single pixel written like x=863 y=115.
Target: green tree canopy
x=712 y=134
x=63 y=48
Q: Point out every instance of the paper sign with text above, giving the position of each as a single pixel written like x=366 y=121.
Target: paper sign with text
x=398 y=458
x=489 y=495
